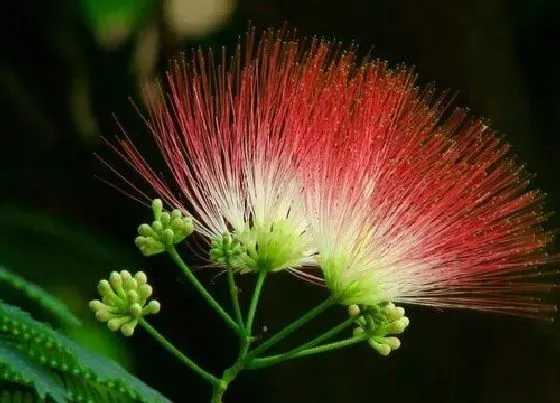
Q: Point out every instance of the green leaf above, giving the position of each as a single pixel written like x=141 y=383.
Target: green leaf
x=111 y=20
x=35 y=293
x=19 y=368
x=75 y=364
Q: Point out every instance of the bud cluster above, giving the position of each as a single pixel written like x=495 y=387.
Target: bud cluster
x=124 y=300
x=381 y=324
x=167 y=229
x=227 y=248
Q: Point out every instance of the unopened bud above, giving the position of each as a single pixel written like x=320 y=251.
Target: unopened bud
x=115 y=280
x=146 y=231
x=167 y=236
x=121 y=310
x=128 y=328
x=398 y=326
x=153 y=307
x=381 y=348
x=132 y=296
x=104 y=288
x=393 y=342
x=140 y=278
x=353 y=310
x=135 y=310
x=165 y=218
x=115 y=323
x=157 y=208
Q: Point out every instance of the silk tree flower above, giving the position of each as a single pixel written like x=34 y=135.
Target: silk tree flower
x=407 y=207
x=232 y=138
x=298 y=155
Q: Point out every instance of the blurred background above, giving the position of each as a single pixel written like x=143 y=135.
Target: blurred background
x=67 y=66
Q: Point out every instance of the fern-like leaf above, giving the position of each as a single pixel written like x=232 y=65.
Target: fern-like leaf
x=35 y=293
x=17 y=367
x=75 y=364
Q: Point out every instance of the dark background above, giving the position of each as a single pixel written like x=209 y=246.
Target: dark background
x=67 y=66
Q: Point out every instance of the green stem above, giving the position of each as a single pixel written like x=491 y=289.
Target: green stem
x=267 y=361
x=233 y=291
x=323 y=306
x=218 y=392
x=211 y=301
x=258 y=363
x=254 y=301
x=182 y=357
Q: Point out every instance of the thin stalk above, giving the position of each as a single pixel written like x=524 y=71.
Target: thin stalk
x=323 y=306
x=267 y=361
x=258 y=363
x=234 y=291
x=211 y=301
x=255 y=301
x=231 y=373
x=173 y=350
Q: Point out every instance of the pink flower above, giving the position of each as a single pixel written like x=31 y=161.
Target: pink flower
x=308 y=157
x=408 y=207
x=232 y=137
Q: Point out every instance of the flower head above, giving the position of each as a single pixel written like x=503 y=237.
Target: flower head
x=232 y=139
x=166 y=229
x=380 y=324
x=409 y=208
x=297 y=154
x=124 y=301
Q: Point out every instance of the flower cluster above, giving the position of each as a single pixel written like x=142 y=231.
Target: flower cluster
x=124 y=301
x=167 y=229
x=380 y=324
x=228 y=250
x=309 y=157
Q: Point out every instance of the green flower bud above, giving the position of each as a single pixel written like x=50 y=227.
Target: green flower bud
x=104 y=288
x=381 y=323
x=146 y=231
x=157 y=226
x=353 y=310
x=121 y=307
x=227 y=247
x=103 y=316
x=115 y=280
x=96 y=305
x=145 y=291
x=398 y=326
x=153 y=307
x=393 y=312
x=393 y=342
x=127 y=280
x=132 y=296
x=166 y=229
x=358 y=331
x=140 y=241
x=381 y=348
x=165 y=219
x=128 y=328
x=168 y=236
x=115 y=323
x=157 y=208
x=177 y=224
x=135 y=310
x=140 y=278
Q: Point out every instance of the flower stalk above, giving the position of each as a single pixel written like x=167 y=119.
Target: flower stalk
x=259 y=363
x=207 y=376
x=201 y=289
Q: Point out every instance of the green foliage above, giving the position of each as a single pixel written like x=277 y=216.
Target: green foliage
x=39 y=359
x=35 y=293
x=17 y=367
x=111 y=19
